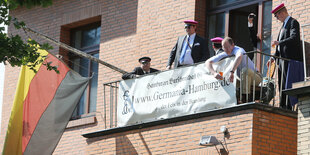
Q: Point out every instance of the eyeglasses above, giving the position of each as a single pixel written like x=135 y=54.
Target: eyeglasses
x=145 y=62
x=188 y=26
x=277 y=14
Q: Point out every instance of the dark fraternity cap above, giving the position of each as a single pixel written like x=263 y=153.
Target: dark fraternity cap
x=190 y=22
x=145 y=59
x=217 y=40
x=278 y=8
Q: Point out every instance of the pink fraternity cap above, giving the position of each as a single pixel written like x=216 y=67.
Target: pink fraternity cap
x=278 y=8
x=216 y=40
x=190 y=22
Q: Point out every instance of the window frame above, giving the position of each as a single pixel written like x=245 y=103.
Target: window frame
x=92 y=50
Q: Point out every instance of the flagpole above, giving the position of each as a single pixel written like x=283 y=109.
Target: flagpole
x=74 y=50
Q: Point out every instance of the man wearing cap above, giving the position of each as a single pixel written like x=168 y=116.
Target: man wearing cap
x=145 y=68
x=287 y=44
x=189 y=49
x=217 y=45
x=253 y=33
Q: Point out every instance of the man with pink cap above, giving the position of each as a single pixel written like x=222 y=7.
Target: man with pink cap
x=287 y=46
x=189 y=48
x=217 y=45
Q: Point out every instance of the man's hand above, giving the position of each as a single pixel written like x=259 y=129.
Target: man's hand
x=231 y=77
x=274 y=43
x=168 y=67
x=218 y=76
x=271 y=60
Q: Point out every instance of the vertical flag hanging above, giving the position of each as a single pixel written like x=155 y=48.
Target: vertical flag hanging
x=43 y=104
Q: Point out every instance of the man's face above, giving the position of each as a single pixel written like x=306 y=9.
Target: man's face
x=280 y=16
x=145 y=64
x=251 y=20
x=227 y=47
x=190 y=29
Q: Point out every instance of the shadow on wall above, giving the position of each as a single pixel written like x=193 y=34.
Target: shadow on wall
x=307 y=55
x=117 y=19
x=124 y=146
x=120 y=19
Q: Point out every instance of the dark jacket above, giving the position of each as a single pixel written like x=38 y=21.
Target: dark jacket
x=199 y=51
x=290 y=46
x=136 y=71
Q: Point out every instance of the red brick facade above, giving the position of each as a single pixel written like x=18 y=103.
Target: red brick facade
x=129 y=30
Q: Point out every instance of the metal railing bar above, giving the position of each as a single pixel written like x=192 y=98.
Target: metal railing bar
x=111 y=107
x=104 y=107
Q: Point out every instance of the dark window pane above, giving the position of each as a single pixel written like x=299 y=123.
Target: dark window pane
x=87 y=39
x=77 y=39
x=266 y=37
x=91 y=37
x=216 y=28
x=93 y=85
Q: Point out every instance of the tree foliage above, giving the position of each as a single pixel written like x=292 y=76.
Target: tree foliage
x=13 y=49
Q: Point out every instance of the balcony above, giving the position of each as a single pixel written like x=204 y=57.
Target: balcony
x=266 y=93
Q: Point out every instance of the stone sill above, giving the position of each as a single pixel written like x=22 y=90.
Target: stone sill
x=81 y=122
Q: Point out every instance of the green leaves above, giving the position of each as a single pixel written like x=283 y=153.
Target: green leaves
x=13 y=49
x=29 y=3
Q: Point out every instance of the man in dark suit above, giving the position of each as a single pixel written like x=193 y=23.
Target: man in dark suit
x=145 y=68
x=189 y=49
x=252 y=26
x=287 y=45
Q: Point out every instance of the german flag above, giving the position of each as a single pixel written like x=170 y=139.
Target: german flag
x=43 y=104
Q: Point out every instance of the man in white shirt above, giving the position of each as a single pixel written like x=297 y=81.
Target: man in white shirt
x=242 y=65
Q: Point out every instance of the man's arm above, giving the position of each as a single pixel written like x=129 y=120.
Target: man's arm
x=172 y=56
x=130 y=75
x=236 y=63
x=209 y=65
x=294 y=33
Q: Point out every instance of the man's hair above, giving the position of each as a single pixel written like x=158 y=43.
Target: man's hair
x=228 y=39
x=217 y=45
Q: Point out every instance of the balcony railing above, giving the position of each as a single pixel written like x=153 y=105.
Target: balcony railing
x=267 y=92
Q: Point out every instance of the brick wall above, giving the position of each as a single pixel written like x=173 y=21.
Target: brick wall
x=303 y=133
x=181 y=138
x=251 y=131
x=129 y=30
x=274 y=133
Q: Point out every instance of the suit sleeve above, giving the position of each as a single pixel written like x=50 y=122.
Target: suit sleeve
x=153 y=70
x=172 y=54
x=294 y=34
x=130 y=75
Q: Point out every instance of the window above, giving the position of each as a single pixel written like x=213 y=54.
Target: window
x=216 y=28
x=86 y=39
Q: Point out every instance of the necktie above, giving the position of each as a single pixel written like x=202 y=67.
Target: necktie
x=184 y=50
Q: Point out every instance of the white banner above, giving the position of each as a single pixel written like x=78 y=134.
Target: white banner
x=173 y=93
